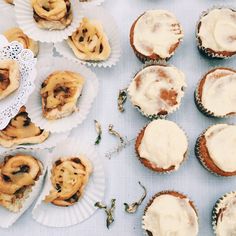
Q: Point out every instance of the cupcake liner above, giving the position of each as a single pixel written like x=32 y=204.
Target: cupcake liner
x=111 y=30
x=93 y=2
x=4 y=6
x=220 y=204
x=168 y=192
x=153 y=116
x=152 y=166
x=34 y=106
x=24 y=17
x=11 y=104
x=54 y=216
x=206 y=51
x=9 y=218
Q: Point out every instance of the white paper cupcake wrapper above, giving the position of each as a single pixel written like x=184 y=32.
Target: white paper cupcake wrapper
x=111 y=30
x=55 y=216
x=8 y=218
x=34 y=105
x=4 y=6
x=93 y=2
x=24 y=16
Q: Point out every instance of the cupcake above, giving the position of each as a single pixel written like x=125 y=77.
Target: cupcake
x=162 y=146
x=170 y=213
x=216 y=149
x=224 y=213
x=157 y=90
x=216 y=32
x=155 y=35
x=216 y=93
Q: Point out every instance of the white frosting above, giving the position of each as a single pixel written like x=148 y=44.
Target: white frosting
x=164 y=144
x=156 y=32
x=171 y=216
x=153 y=81
x=219 y=92
x=218 y=30
x=226 y=224
x=221 y=145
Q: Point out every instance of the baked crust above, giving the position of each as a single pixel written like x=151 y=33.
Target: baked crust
x=9 y=1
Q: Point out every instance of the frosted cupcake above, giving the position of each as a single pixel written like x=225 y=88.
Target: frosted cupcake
x=216 y=149
x=157 y=90
x=216 y=32
x=162 y=146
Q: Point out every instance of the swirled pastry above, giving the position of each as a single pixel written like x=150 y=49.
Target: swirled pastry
x=18 y=174
x=10 y=1
x=89 y=42
x=16 y=34
x=69 y=178
x=9 y=77
x=21 y=130
x=60 y=92
x=52 y=14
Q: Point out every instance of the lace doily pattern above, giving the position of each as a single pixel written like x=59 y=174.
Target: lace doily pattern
x=25 y=58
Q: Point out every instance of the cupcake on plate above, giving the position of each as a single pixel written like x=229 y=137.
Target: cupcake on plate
x=170 y=213
x=216 y=93
x=155 y=35
x=162 y=146
x=157 y=90
x=224 y=213
x=216 y=149
x=216 y=32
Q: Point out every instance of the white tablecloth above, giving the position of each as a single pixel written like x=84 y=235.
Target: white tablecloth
x=124 y=171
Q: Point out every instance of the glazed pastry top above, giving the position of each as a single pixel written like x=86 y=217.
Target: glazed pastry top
x=218 y=29
x=157 y=89
x=163 y=144
x=221 y=145
x=170 y=215
x=155 y=32
x=219 y=92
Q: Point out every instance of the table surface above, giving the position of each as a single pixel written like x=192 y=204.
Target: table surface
x=124 y=170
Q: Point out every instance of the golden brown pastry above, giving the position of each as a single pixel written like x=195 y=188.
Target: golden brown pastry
x=69 y=178
x=89 y=42
x=10 y=1
x=9 y=77
x=60 y=92
x=21 y=130
x=52 y=14
x=18 y=174
x=16 y=34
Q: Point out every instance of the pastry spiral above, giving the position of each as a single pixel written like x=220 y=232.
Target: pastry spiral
x=52 y=14
x=16 y=34
x=89 y=42
x=69 y=178
x=60 y=92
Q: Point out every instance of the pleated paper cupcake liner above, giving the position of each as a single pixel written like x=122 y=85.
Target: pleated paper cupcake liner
x=92 y=2
x=55 y=216
x=219 y=205
x=111 y=30
x=24 y=17
x=4 y=6
x=89 y=92
x=153 y=167
x=9 y=218
x=206 y=51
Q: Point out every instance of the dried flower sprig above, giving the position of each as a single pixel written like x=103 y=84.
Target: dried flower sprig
x=109 y=211
x=122 y=97
x=115 y=133
x=133 y=207
x=98 y=128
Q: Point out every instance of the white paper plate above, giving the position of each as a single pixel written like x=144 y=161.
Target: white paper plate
x=8 y=218
x=111 y=30
x=34 y=105
x=24 y=16
x=54 y=216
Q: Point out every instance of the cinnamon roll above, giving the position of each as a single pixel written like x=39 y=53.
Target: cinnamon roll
x=18 y=174
x=60 y=92
x=21 y=130
x=69 y=178
x=52 y=14
x=89 y=42
x=16 y=34
x=9 y=77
